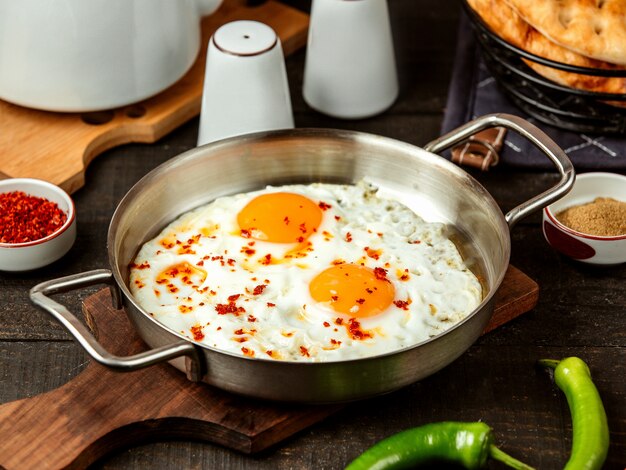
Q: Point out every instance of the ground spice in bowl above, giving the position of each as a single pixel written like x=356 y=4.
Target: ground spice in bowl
x=604 y=217
x=25 y=218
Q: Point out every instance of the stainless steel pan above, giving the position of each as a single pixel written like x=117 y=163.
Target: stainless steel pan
x=429 y=184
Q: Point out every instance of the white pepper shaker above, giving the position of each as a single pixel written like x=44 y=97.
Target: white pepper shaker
x=245 y=83
x=350 y=69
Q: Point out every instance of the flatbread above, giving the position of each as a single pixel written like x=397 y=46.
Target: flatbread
x=510 y=26
x=593 y=28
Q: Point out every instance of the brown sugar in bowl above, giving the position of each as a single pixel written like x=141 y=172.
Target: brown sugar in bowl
x=588 y=224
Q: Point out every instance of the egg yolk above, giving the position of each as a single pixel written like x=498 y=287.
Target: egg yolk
x=353 y=290
x=280 y=218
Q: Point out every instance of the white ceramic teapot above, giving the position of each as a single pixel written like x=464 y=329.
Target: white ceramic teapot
x=88 y=55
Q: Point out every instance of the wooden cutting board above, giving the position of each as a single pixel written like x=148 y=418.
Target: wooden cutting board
x=100 y=411
x=57 y=147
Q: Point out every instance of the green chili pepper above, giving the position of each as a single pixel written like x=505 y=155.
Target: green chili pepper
x=590 y=442
x=467 y=444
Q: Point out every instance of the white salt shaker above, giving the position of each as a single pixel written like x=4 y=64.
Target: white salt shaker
x=350 y=69
x=245 y=83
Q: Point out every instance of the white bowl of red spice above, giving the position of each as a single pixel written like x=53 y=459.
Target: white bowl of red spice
x=37 y=223
x=589 y=223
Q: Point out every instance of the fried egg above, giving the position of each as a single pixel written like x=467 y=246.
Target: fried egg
x=316 y=272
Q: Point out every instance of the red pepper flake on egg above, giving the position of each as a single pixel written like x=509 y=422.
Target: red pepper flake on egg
x=324 y=206
x=185 y=308
x=144 y=265
x=403 y=304
x=270 y=304
x=381 y=274
x=355 y=331
x=348 y=237
x=247 y=352
x=304 y=352
x=375 y=254
x=266 y=260
x=197 y=333
x=258 y=290
x=247 y=251
x=28 y=218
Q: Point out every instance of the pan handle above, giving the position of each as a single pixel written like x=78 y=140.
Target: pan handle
x=39 y=296
x=536 y=137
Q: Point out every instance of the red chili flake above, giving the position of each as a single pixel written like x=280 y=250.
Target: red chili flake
x=337 y=218
x=157 y=293
x=194 y=239
x=248 y=251
x=139 y=284
x=26 y=218
x=201 y=304
x=144 y=265
x=196 y=331
x=354 y=328
x=251 y=318
x=230 y=262
x=245 y=233
x=415 y=242
x=218 y=328
x=324 y=206
x=173 y=289
x=239 y=331
x=205 y=258
x=380 y=234
x=381 y=274
x=360 y=301
x=267 y=259
x=185 y=308
x=405 y=275
x=326 y=324
x=258 y=290
x=338 y=261
x=270 y=353
x=247 y=352
x=161 y=281
x=300 y=239
x=286 y=220
x=270 y=304
x=348 y=237
x=304 y=351
x=375 y=254
x=231 y=307
x=339 y=321
x=334 y=298
x=334 y=341
x=167 y=244
x=234 y=297
x=403 y=304
x=368 y=290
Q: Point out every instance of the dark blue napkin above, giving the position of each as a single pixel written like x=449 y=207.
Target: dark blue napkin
x=474 y=92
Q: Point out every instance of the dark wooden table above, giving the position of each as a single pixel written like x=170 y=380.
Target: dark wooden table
x=581 y=311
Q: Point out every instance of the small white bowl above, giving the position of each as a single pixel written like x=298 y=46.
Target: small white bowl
x=583 y=247
x=38 y=253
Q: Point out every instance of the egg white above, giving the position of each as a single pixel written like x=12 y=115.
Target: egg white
x=281 y=320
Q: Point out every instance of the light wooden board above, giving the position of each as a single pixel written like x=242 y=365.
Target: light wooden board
x=57 y=147
x=100 y=411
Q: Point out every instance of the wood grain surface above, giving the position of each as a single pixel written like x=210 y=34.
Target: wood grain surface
x=101 y=410
x=57 y=147
x=581 y=310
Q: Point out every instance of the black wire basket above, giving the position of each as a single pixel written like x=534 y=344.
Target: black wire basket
x=547 y=101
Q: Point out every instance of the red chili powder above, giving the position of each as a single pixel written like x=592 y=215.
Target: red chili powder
x=25 y=218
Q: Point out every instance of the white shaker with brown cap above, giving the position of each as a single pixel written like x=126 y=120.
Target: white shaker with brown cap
x=350 y=69
x=245 y=83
